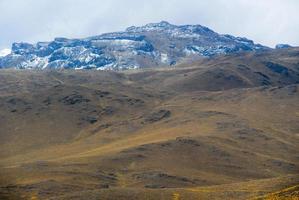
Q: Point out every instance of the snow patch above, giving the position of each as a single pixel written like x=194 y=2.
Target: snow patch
x=164 y=58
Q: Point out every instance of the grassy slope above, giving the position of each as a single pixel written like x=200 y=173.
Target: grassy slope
x=209 y=130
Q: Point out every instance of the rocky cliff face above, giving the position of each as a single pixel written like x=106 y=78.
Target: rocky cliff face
x=155 y=44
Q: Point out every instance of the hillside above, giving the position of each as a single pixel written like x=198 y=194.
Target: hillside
x=221 y=128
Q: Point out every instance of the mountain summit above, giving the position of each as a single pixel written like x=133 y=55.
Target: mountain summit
x=155 y=44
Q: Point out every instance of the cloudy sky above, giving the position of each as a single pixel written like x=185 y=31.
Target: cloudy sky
x=265 y=21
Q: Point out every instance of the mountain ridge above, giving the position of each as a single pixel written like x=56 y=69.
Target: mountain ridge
x=155 y=44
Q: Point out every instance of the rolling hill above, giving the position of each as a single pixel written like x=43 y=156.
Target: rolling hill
x=225 y=127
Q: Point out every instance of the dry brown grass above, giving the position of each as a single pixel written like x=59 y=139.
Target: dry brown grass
x=155 y=134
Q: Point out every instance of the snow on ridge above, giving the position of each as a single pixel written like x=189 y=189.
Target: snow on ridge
x=153 y=44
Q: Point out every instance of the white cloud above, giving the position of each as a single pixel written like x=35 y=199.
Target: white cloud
x=265 y=21
x=4 y=52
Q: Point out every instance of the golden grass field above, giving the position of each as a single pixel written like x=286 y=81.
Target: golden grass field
x=222 y=128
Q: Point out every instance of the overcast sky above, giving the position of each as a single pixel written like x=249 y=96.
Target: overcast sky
x=265 y=21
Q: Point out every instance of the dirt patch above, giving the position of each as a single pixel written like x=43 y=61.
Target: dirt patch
x=157 y=116
x=74 y=99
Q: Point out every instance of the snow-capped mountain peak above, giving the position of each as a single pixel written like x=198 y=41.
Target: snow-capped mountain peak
x=154 y=44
